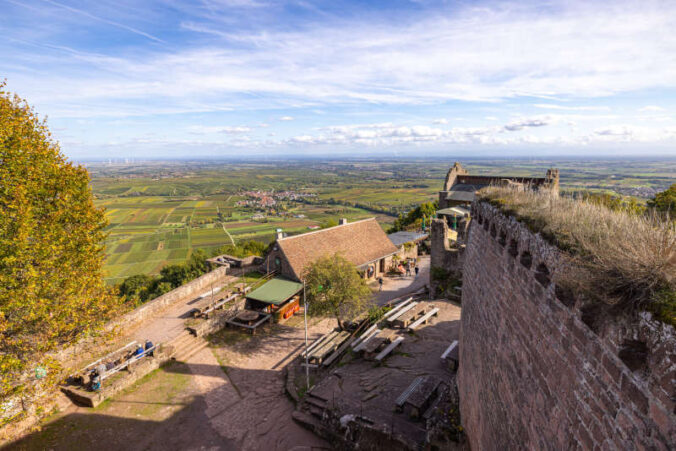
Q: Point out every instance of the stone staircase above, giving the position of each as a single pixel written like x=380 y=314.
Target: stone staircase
x=186 y=345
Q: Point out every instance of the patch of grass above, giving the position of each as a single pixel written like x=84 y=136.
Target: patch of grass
x=612 y=256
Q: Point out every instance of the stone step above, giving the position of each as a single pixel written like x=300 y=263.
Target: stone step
x=182 y=338
x=307 y=421
x=186 y=347
x=315 y=402
x=189 y=349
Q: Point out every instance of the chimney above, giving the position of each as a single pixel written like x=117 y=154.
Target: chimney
x=342 y=221
x=280 y=234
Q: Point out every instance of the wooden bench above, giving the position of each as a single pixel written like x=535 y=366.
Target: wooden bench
x=384 y=353
x=397 y=308
x=366 y=340
x=323 y=339
x=401 y=312
x=321 y=352
x=365 y=335
x=423 y=320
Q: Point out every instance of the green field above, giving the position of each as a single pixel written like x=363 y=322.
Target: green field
x=159 y=212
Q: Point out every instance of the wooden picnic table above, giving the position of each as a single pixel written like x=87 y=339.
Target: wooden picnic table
x=318 y=354
x=374 y=344
x=404 y=320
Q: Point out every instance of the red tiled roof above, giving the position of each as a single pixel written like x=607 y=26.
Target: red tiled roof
x=359 y=242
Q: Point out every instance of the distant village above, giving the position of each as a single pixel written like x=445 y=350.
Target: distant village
x=267 y=199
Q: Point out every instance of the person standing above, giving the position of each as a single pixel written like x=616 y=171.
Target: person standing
x=416 y=270
x=380 y=282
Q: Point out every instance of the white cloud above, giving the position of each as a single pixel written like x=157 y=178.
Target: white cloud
x=475 y=54
x=441 y=121
x=550 y=106
x=520 y=124
x=651 y=109
x=230 y=130
x=286 y=118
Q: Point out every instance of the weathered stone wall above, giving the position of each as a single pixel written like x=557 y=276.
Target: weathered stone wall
x=442 y=255
x=532 y=375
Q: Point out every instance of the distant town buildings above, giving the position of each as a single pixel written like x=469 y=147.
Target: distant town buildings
x=268 y=199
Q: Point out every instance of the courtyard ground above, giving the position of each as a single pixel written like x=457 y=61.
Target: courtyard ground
x=227 y=396
x=357 y=387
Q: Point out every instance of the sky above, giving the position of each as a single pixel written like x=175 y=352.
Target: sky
x=245 y=78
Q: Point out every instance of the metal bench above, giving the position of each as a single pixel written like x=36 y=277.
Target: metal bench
x=406 y=393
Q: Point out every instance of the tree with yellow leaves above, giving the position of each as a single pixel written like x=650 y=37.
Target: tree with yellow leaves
x=51 y=246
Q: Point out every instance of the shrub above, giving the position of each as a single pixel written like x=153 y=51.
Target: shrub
x=614 y=257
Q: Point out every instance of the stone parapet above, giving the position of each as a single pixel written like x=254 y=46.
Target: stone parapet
x=532 y=373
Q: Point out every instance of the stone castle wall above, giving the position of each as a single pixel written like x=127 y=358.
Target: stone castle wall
x=442 y=255
x=532 y=375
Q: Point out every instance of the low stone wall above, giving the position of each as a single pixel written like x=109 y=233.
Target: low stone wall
x=203 y=327
x=152 y=308
x=119 y=382
x=532 y=374
x=73 y=356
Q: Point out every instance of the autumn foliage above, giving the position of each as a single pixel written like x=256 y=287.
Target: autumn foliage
x=51 y=246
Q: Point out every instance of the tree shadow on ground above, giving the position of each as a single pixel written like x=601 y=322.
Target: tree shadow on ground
x=120 y=422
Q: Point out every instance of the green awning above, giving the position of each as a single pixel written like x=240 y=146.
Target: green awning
x=275 y=291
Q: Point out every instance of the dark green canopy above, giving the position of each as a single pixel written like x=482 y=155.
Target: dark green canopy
x=275 y=291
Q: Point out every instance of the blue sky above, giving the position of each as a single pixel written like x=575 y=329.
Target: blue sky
x=224 y=78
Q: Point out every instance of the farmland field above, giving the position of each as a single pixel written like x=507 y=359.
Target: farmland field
x=160 y=211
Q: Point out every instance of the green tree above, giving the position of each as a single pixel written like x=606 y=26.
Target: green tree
x=665 y=201
x=414 y=218
x=136 y=289
x=328 y=223
x=334 y=286
x=51 y=245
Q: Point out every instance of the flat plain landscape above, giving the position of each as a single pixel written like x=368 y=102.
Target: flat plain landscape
x=159 y=212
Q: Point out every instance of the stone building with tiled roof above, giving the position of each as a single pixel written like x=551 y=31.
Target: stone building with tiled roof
x=460 y=187
x=364 y=243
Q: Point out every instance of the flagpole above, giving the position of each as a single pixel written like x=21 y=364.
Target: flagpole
x=307 y=367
